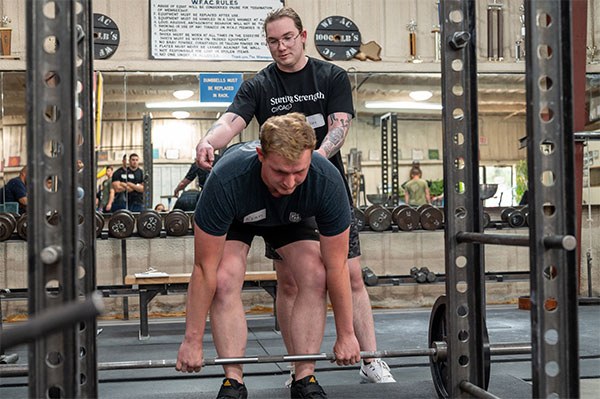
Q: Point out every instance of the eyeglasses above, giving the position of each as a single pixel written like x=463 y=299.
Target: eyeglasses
x=287 y=41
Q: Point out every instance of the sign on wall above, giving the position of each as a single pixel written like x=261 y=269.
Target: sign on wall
x=219 y=87
x=210 y=29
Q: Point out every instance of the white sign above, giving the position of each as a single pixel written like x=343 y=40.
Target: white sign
x=210 y=29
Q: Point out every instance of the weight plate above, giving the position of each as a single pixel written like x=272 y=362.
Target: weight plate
x=99 y=218
x=337 y=38
x=438 y=332
x=359 y=218
x=516 y=219
x=397 y=210
x=121 y=224
x=380 y=219
x=432 y=218
x=149 y=224
x=177 y=223
x=7 y=226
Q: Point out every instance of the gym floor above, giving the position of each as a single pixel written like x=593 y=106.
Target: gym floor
x=396 y=329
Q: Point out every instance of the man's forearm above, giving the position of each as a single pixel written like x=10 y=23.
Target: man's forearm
x=201 y=291
x=340 y=293
x=222 y=131
x=339 y=124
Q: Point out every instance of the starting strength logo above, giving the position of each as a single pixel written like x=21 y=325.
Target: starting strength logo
x=295 y=217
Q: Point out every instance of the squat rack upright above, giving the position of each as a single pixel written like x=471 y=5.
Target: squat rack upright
x=550 y=153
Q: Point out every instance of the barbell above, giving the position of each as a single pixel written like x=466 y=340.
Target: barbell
x=437 y=353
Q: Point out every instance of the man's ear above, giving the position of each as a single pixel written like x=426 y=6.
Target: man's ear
x=261 y=156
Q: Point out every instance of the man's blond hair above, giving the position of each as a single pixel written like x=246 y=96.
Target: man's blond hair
x=282 y=13
x=287 y=135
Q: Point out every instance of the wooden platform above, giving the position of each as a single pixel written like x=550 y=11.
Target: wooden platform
x=180 y=278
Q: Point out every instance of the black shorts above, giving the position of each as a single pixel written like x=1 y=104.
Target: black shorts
x=276 y=236
x=353 y=247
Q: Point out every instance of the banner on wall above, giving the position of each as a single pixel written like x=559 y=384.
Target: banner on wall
x=224 y=30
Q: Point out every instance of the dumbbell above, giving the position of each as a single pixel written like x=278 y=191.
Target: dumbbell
x=121 y=224
x=429 y=275
x=369 y=277
x=406 y=217
x=149 y=224
x=177 y=223
x=418 y=275
x=423 y=275
x=431 y=218
x=22 y=226
x=525 y=211
x=513 y=217
x=378 y=217
x=8 y=222
x=485 y=220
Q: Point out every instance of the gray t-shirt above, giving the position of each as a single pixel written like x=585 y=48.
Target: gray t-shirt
x=235 y=191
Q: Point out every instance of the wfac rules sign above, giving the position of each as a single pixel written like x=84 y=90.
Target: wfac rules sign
x=210 y=29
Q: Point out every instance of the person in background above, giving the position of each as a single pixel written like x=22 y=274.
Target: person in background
x=416 y=190
x=15 y=190
x=119 y=185
x=135 y=185
x=160 y=207
x=188 y=199
x=320 y=90
x=278 y=189
x=106 y=193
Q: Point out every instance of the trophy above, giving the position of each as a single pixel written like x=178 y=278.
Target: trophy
x=495 y=18
x=5 y=36
x=519 y=50
x=437 y=37
x=412 y=38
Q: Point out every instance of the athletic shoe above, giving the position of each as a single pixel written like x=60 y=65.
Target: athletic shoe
x=231 y=389
x=288 y=382
x=377 y=372
x=307 y=388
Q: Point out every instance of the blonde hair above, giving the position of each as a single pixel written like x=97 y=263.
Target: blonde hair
x=287 y=135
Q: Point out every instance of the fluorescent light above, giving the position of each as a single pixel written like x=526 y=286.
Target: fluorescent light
x=420 y=95
x=180 y=114
x=183 y=94
x=402 y=105
x=186 y=104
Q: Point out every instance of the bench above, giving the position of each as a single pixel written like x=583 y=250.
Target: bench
x=150 y=286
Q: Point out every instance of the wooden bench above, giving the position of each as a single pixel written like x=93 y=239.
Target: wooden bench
x=149 y=287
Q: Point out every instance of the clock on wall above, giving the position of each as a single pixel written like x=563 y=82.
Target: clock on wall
x=106 y=37
x=337 y=38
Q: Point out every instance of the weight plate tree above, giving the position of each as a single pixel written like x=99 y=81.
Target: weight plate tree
x=61 y=257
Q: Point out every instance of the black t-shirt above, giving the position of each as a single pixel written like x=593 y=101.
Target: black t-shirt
x=135 y=177
x=235 y=191
x=197 y=172
x=318 y=90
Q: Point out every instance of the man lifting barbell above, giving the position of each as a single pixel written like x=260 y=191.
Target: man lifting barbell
x=271 y=190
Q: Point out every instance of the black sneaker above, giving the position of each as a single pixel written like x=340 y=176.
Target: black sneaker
x=231 y=389
x=307 y=388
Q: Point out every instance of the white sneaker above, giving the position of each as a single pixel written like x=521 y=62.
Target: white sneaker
x=377 y=372
x=288 y=382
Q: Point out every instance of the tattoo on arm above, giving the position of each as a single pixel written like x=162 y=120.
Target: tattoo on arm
x=336 y=136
